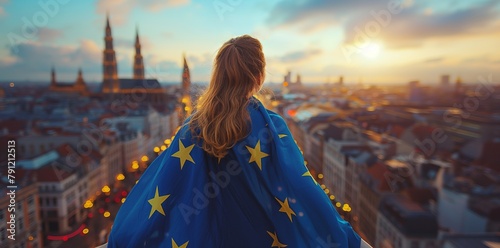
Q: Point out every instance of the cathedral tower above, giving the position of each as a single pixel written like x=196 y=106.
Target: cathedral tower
x=186 y=88
x=80 y=85
x=53 y=81
x=138 y=62
x=109 y=65
x=79 y=80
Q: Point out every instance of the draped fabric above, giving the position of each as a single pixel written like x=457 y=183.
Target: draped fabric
x=260 y=194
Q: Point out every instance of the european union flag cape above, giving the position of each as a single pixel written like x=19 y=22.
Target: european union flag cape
x=259 y=195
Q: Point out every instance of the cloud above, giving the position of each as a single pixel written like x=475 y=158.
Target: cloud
x=434 y=60
x=2 y=9
x=129 y=44
x=416 y=23
x=46 y=35
x=481 y=59
x=413 y=27
x=120 y=10
x=8 y=60
x=287 y=13
x=299 y=56
x=164 y=70
x=168 y=70
x=35 y=59
x=200 y=66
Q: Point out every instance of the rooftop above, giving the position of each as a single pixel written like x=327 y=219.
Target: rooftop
x=409 y=217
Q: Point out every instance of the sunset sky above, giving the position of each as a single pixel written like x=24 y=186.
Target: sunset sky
x=369 y=40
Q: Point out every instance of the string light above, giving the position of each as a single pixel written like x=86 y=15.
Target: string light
x=120 y=177
x=105 y=189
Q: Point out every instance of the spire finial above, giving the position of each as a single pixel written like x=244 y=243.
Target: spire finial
x=53 y=75
x=107 y=18
x=136 y=34
x=184 y=58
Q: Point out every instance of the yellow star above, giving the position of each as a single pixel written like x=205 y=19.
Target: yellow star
x=156 y=203
x=276 y=242
x=308 y=174
x=174 y=245
x=282 y=135
x=257 y=155
x=184 y=153
x=285 y=208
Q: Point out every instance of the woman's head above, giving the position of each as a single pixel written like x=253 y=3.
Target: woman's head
x=239 y=67
x=220 y=114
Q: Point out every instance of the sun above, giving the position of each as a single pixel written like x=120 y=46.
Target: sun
x=371 y=50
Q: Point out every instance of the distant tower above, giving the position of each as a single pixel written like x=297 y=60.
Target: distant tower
x=299 y=80
x=286 y=83
x=445 y=80
x=138 y=62
x=53 y=81
x=109 y=65
x=79 y=80
x=186 y=88
x=341 y=80
x=289 y=77
x=415 y=92
x=458 y=85
x=80 y=85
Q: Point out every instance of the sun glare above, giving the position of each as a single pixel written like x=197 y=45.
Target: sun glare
x=371 y=50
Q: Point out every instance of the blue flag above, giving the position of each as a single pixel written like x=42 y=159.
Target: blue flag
x=260 y=194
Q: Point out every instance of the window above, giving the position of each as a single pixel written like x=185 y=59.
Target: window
x=20 y=223
x=52 y=213
x=54 y=201
x=31 y=217
x=72 y=220
x=70 y=197
x=30 y=201
x=1 y=215
x=32 y=150
x=2 y=234
x=53 y=226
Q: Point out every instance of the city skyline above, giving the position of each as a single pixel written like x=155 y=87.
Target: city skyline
x=319 y=40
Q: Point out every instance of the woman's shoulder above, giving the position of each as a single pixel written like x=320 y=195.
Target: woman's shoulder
x=258 y=110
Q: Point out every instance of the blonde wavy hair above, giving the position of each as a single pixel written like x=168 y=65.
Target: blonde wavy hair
x=220 y=118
